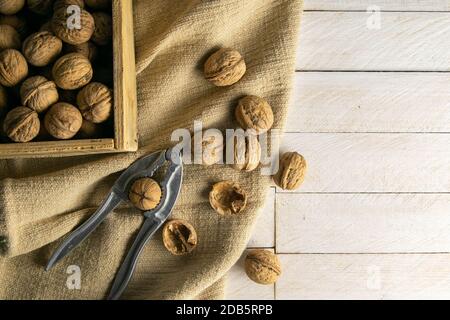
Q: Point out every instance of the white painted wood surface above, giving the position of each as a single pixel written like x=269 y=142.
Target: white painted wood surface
x=393 y=5
x=370 y=102
x=404 y=41
x=264 y=230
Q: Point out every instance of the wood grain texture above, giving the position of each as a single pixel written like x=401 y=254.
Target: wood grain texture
x=373 y=162
x=370 y=102
x=394 y=5
x=264 y=230
x=389 y=276
x=363 y=223
x=405 y=41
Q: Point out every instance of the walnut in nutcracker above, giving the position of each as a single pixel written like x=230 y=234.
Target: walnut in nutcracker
x=72 y=71
x=13 y=67
x=227 y=198
x=292 y=171
x=247 y=152
x=95 y=102
x=262 y=266
x=21 y=124
x=225 y=67
x=38 y=93
x=103 y=28
x=9 y=37
x=63 y=121
x=254 y=113
x=65 y=27
x=179 y=237
x=41 y=48
x=11 y=6
x=145 y=194
x=42 y=7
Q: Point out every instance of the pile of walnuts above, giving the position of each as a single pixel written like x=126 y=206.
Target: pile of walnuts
x=52 y=86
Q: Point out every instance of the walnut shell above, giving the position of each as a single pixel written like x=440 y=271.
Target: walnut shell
x=41 y=48
x=9 y=37
x=103 y=28
x=3 y=100
x=179 y=237
x=99 y=4
x=145 y=194
x=11 y=6
x=95 y=102
x=22 y=124
x=225 y=67
x=38 y=93
x=210 y=151
x=15 y=21
x=247 y=152
x=63 y=4
x=254 y=113
x=63 y=121
x=292 y=171
x=87 y=49
x=262 y=266
x=42 y=7
x=72 y=71
x=64 y=26
x=227 y=198
x=13 y=67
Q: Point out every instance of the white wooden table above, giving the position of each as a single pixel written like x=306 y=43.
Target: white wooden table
x=371 y=114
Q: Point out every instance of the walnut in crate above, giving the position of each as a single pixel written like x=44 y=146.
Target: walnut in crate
x=3 y=100
x=254 y=113
x=262 y=266
x=38 y=93
x=95 y=102
x=99 y=4
x=103 y=28
x=145 y=194
x=179 y=237
x=87 y=49
x=64 y=4
x=64 y=26
x=225 y=67
x=21 y=124
x=291 y=172
x=72 y=71
x=11 y=6
x=41 y=48
x=42 y=7
x=13 y=67
x=227 y=198
x=63 y=121
x=247 y=152
x=9 y=38
x=46 y=27
x=15 y=21
x=89 y=130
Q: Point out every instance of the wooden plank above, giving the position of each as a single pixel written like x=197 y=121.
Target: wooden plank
x=264 y=230
x=363 y=223
x=370 y=102
x=240 y=287
x=391 y=276
x=387 y=5
x=373 y=162
x=351 y=41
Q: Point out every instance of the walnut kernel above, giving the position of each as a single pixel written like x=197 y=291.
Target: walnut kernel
x=179 y=237
x=103 y=28
x=13 y=67
x=21 y=124
x=227 y=198
x=11 y=6
x=95 y=102
x=145 y=194
x=9 y=37
x=291 y=172
x=41 y=48
x=225 y=67
x=63 y=121
x=254 y=113
x=71 y=34
x=38 y=93
x=72 y=71
x=262 y=266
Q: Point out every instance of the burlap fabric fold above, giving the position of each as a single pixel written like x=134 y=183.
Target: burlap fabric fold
x=41 y=200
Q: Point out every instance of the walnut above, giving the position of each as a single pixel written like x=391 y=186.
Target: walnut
x=99 y=4
x=41 y=7
x=66 y=29
x=209 y=151
x=11 y=6
x=15 y=21
x=227 y=198
x=87 y=49
x=41 y=48
x=247 y=152
x=3 y=100
x=9 y=37
x=179 y=237
x=291 y=172
x=262 y=266
x=72 y=71
x=13 y=67
x=38 y=93
x=225 y=67
x=103 y=28
x=95 y=102
x=63 y=121
x=145 y=194
x=254 y=113
x=89 y=130
x=64 y=4
x=22 y=124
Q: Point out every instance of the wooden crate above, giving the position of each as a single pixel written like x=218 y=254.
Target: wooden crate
x=125 y=102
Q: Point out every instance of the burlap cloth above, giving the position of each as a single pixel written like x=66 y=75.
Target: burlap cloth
x=42 y=200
